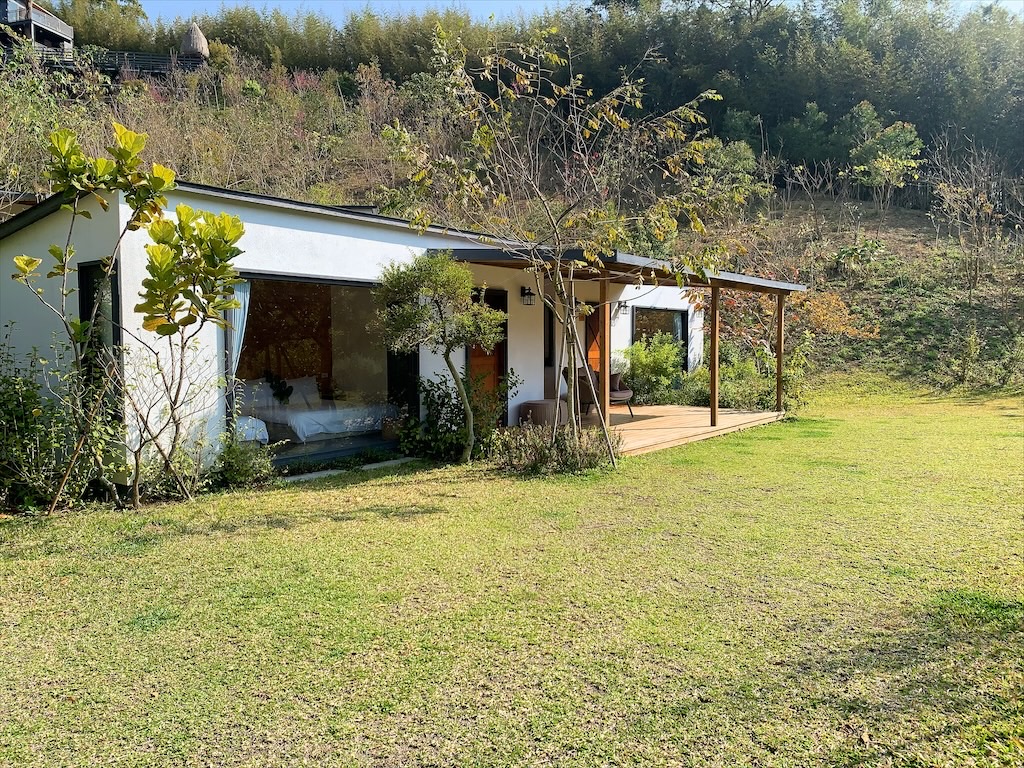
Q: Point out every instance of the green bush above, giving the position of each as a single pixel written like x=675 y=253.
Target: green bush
x=655 y=368
x=442 y=433
x=244 y=464
x=39 y=413
x=744 y=382
x=156 y=483
x=528 y=449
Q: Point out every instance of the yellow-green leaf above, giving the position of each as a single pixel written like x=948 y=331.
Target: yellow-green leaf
x=26 y=264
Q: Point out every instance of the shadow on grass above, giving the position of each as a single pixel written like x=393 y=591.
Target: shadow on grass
x=808 y=428
x=109 y=533
x=975 y=397
x=927 y=687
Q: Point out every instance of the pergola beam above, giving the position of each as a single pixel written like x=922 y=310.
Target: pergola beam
x=779 y=347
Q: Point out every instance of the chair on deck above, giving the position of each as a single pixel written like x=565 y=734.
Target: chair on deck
x=618 y=393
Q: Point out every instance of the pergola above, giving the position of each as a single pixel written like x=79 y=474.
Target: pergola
x=627 y=269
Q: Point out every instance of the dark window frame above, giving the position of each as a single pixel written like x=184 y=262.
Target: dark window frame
x=549 y=337
x=86 y=301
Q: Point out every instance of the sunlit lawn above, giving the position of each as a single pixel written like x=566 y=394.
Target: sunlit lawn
x=845 y=588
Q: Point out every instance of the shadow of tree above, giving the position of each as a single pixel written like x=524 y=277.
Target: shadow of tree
x=116 y=534
x=935 y=685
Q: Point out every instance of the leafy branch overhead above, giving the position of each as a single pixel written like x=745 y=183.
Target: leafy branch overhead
x=191 y=276
x=76 y=175
x=543 y=160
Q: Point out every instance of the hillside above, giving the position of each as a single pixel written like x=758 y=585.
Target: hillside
x=320 y=136
x=906 y=305
x=932 y=326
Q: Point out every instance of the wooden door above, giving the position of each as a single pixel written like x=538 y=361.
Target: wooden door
x=593 y=340
x=493 y=365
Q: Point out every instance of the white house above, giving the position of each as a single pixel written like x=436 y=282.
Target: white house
x=307 y=306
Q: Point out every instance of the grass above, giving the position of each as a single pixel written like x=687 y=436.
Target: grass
x=840 y=589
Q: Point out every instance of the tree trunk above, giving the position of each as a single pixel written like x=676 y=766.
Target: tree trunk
x=597 y=405
x=467 y=408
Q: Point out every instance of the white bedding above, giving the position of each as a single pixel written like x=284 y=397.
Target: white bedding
x=328 y=419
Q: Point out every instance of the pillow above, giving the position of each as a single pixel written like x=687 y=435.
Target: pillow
x=304 y=392
x=615 y=382
x=254 y=393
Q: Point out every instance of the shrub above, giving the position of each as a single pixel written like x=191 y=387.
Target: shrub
x=442 y=433
x=655 y=367
x=39 y=416
x=244 y=464
x=744 y=383
x=156 y=483
x=528 y=449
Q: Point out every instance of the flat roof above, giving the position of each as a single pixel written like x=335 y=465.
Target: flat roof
x=365 y=214
x=620 y=267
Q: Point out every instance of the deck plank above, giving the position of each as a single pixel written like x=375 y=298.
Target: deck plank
x=656 y=427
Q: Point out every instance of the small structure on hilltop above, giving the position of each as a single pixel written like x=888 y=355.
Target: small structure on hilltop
x=193 y=43
x=53 y=45
x=46 y=31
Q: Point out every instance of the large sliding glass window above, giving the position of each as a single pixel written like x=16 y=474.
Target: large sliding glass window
x=313 y=371
x=648 y=322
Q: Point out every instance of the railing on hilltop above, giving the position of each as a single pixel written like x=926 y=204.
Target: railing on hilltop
x=118 y=61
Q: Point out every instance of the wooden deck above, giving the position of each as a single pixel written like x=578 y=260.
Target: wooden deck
x=654 y=427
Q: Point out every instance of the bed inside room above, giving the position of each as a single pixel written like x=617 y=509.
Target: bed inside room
x=310 y=374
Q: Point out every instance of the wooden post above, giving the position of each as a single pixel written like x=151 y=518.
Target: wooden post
x=715 y=290
x=605 y=344
x=779 y=336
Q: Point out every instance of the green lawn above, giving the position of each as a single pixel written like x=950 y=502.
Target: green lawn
x=846 y=588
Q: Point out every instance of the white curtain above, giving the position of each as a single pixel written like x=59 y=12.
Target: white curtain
x=237 y=318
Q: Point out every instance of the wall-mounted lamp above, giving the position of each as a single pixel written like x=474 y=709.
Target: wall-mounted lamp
x=528 y=296
x=622 y=308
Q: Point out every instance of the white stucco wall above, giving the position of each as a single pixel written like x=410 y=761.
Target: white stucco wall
x=35 y=325
x=659 y=297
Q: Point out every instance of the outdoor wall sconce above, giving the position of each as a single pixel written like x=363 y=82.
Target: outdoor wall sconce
x=528 y=296
x=622 y=308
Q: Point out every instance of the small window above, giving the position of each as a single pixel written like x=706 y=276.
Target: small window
x=95 y=288
x=648 y=321
x=549 y=337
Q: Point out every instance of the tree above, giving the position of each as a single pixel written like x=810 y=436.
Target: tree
x=564 y=176
x=857 y=126
x=972 y=189
x=886 y=162
x=190 y=284
x=429 y=303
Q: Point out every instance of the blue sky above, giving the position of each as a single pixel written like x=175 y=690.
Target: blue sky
x=339 y=10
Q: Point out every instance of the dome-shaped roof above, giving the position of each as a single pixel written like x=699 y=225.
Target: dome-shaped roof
x=194 y=42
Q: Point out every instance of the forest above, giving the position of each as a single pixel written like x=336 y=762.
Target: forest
x=915 y=60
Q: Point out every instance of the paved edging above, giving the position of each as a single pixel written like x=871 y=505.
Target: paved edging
x=333 y=472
